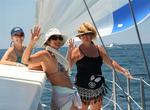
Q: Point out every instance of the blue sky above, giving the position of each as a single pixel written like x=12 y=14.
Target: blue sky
x=22 y=13
x=15 y=13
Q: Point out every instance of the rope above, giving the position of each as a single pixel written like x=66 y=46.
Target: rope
x=109 y=100
x=113 y=102
x=146 y=83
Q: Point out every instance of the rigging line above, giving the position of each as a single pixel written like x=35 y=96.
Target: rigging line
x=110 y=100
x=126 y=94
x=129 y=96
x=138 y=79
x=114 y=72
x=146 y=82
x=139 y=38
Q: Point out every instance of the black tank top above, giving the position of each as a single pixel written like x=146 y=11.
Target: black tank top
x=86 y=67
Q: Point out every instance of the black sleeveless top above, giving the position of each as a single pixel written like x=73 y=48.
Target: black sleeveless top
x=87 y=67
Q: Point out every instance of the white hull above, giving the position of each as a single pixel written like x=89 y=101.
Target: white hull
x=20 y=89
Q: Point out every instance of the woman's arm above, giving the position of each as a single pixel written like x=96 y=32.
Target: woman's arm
x=35 y=67
x=112 y=63
x=8 y=59
x=27 y=58
x=71 y=52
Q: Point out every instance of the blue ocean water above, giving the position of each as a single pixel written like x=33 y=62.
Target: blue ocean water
x=128 y=56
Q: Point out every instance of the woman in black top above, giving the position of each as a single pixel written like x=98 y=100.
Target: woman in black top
x=89 y=59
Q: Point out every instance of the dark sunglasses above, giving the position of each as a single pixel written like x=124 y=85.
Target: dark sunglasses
x=19 y=35
x=90 y=34
x=55 y=37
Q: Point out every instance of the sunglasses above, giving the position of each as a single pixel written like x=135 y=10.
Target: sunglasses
x=55 y=37
x=19 y=35
x=90 y=34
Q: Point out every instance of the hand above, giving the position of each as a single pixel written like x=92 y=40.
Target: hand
x=128 y=75
x=35 y=34
x=20 y=65
x=71 y=44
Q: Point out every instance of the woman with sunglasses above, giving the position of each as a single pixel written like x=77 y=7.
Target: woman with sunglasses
x=64 y=95
x=89 y=59
x=13 y=55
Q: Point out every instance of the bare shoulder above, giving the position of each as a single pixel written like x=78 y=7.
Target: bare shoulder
x=102 y=51
x=9 y=51
x=101 y=48
x=9 y=54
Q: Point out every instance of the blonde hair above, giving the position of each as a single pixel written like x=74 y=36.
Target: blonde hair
x=87 y=27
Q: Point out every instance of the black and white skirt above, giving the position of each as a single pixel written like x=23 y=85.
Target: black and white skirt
x=95 y=89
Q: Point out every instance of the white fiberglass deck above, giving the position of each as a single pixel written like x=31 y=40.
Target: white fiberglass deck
x=20 y=88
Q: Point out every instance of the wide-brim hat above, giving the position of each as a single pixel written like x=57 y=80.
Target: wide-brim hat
x=86 y=28
x=51 y=32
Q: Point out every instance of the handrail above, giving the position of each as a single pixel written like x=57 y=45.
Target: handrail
x=142 y=80
x=108 y=101
x=127 y=95
x=137 y=79
x=129 y=91
x=146 y=83
x=113 y=102
x=142 y=94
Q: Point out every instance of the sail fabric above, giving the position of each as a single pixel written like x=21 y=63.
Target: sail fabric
x=123 y=19
x=67 y=15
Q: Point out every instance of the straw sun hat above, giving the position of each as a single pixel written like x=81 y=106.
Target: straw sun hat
x=86 y=28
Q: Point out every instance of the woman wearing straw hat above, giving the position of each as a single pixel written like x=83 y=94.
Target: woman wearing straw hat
x=89 y=59
x=64 y=94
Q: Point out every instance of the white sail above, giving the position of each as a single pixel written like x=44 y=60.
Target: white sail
x=110 y=16
x=67 y=15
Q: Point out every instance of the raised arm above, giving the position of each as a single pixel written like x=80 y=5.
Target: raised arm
x=112 y=63
x=71 y=52
x=27 y=58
